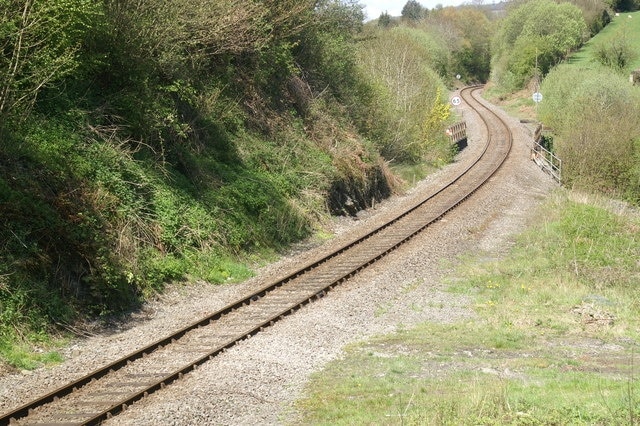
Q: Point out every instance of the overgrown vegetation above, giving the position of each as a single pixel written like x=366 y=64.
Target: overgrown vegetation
x=592 y=110
x=533 y=38
x=554 y=340
x=466 y=33
x=459 y=38
x=594 y=117
x=401 y=62
x=148 y=141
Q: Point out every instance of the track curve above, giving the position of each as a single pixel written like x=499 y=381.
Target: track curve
x=112 y=388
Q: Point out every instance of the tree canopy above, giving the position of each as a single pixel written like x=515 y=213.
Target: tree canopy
x=536 y=33
x=467 y=32
x=413 y=11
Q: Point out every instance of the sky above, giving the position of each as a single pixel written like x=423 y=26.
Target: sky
x=373 y=8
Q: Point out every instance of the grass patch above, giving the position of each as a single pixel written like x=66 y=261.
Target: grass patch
x=412 y=173
x=627 y=26
x=21 y=355
x=518 y=104
x=24 y=358
x=555 y=340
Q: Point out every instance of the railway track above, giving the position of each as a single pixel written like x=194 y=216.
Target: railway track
x=110 y=389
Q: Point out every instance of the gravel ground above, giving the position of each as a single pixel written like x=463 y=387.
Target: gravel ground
x=257 y=381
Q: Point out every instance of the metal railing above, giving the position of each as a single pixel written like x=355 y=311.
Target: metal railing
x=457 y=132
x=545 y=159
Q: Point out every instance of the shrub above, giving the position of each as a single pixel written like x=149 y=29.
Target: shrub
x=40 y=43
x=594 y=114
x=400 y=62
x=616 y=53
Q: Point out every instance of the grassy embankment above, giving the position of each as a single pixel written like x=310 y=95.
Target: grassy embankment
x=626 y=25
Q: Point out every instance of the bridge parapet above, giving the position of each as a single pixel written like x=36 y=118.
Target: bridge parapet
x=458 y=135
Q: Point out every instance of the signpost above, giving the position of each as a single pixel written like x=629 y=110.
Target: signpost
x=456 y=100
x=537 y=97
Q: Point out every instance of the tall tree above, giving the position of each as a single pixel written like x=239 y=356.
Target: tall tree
x=413 y=11
x=384 y=20
x=467 y=32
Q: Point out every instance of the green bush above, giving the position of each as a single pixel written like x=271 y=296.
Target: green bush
x=594 y=115
x=617 y=53
x=40 y=42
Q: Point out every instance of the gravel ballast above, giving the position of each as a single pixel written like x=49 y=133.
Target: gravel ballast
x=257 y=381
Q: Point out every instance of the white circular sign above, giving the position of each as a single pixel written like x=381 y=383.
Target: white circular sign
x=537 y=97
x=456 y=100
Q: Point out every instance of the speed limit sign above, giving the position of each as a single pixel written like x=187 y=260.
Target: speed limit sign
x=456 y=100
